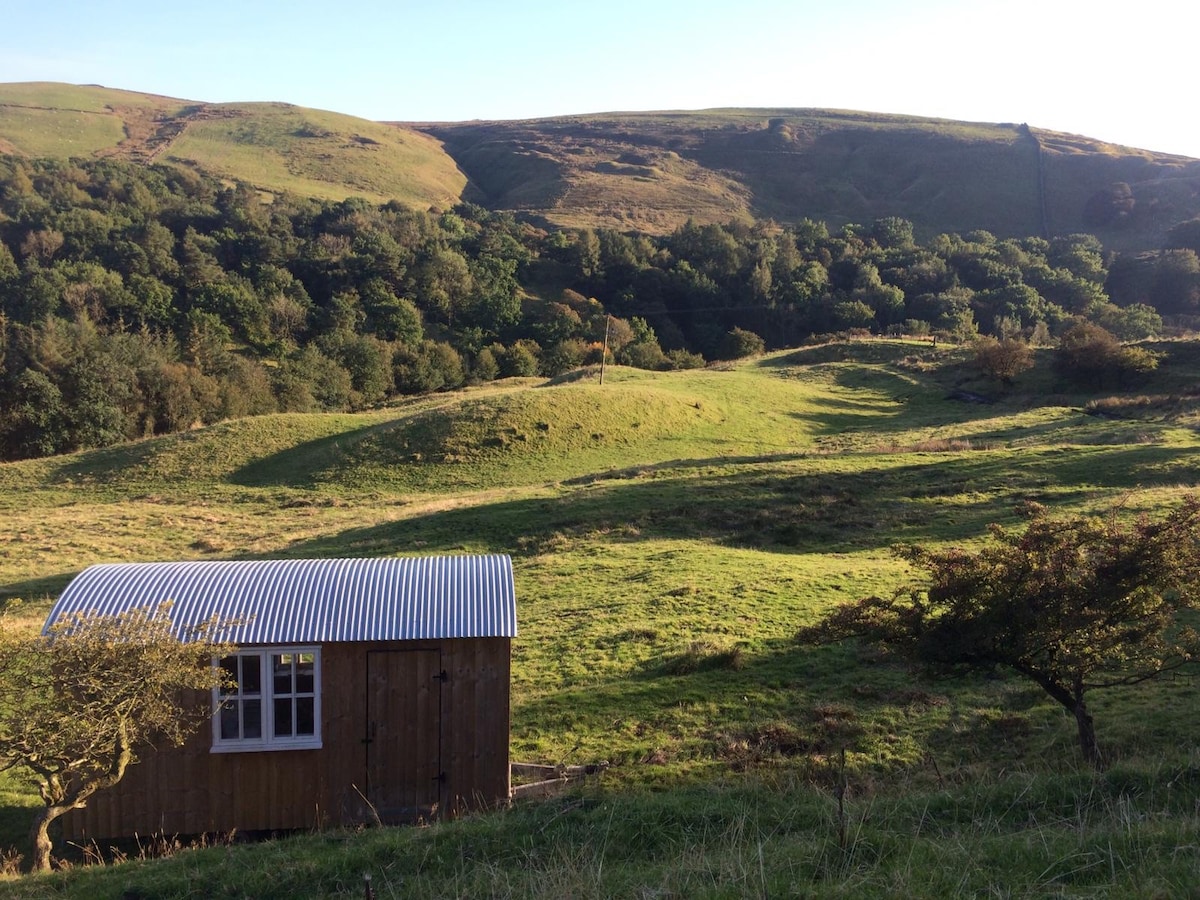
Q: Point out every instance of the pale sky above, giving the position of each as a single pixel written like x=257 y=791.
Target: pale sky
x=1119 y=72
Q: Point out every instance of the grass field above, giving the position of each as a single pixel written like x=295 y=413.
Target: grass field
x=314 y=153
x=273 y=146
x=670 y=531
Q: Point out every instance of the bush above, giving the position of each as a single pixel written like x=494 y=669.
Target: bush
x=433 y=366
x=486 y=367
x=643 y=355
x=1002 y=360
x=685 y=359
x=1088 y=354
x=739 y=343
x=520 y=360
x=563 y=356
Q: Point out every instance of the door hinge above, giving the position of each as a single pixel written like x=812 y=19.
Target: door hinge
x=440 y=778
x=442 y=676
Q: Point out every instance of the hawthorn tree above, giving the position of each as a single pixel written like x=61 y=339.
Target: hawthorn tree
x=81 y=701
x=1090 y=355
x=1074 y=605
x=1002 y=360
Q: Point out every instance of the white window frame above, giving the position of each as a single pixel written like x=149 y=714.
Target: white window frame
x=268 y=740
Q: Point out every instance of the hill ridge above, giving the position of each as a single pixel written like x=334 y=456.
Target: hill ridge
x=641 y=171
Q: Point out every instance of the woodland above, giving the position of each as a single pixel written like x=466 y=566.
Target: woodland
x=141 y=300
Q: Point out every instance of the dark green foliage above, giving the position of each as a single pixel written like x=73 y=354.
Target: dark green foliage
x=486 y=367
x=683 y=359
x=1002 y=360
x=384 y=300
x=1185 y=236
x=1090 y=355
x=563 y=356
x=892 y=232
x=740 y=343
x=643 y=355
x=1176 y=282
x=520 y=360
x=433 y=366
x=1074 y=605
x=34 y=422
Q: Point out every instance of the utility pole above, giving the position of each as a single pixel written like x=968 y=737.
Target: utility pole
x=604 y=357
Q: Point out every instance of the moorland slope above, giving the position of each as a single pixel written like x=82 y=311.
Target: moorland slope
x=646 y=172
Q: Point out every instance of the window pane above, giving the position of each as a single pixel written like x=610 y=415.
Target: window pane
x=283 y=718
x=252 y=719
x=229 y=721
x=273 y=703
x=305 y=719
x=251 y=681
x=304 y=673
x=229 y=672
x=282 y=665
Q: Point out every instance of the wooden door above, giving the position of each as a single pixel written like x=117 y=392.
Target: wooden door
x=404 y=722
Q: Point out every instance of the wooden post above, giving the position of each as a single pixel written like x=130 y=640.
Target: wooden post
x=604 y=356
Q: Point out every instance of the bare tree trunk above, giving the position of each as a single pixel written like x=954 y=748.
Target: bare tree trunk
x=1072 y=699
x=60 y=800
x=1087 y=734
x=39 y=835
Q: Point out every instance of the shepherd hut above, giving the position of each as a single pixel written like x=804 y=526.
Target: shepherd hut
x=366 y=690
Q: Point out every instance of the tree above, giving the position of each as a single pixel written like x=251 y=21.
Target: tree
x=1074 y=604
x=1088 y=354
x=739 y=343
x=81 y=701
x=892 y=232
x=1002 y=360
x=1185 y=236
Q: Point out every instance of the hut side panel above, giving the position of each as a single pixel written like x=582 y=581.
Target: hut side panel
x=476 y=721
x=190 y=790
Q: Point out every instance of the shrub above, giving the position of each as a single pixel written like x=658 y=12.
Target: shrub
x=1002 y=360
x=1088 y=354
x=739 y=343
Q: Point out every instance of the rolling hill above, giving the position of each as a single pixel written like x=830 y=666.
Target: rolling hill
x=651 y=171
x=669 y=532
x=646 y=172
x=273 y=146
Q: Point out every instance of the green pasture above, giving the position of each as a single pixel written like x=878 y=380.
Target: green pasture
x=45 y=119
x=313 y=153
x=83 y=97
x=669 y=532
x=58 y=133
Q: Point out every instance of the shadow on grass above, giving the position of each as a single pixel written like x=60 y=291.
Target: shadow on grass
x=777 y=506
x=298 y=466
x=781 y=701
x=949 y=497
x=16 y=815
x=45 y=587
x=302 y=465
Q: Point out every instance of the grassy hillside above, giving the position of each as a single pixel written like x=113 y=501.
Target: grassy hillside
x=64 y=120
x=278 y=147
x=273 y=146
x=669 y=532
x=653 y=170
x=646 y=172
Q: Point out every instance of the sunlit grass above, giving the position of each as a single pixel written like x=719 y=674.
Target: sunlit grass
x=319 y=154
x=669 y=532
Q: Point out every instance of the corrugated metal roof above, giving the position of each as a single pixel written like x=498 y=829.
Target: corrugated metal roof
x=285 y=601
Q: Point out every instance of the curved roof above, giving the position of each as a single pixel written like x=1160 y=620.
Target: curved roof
x=282 y=601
